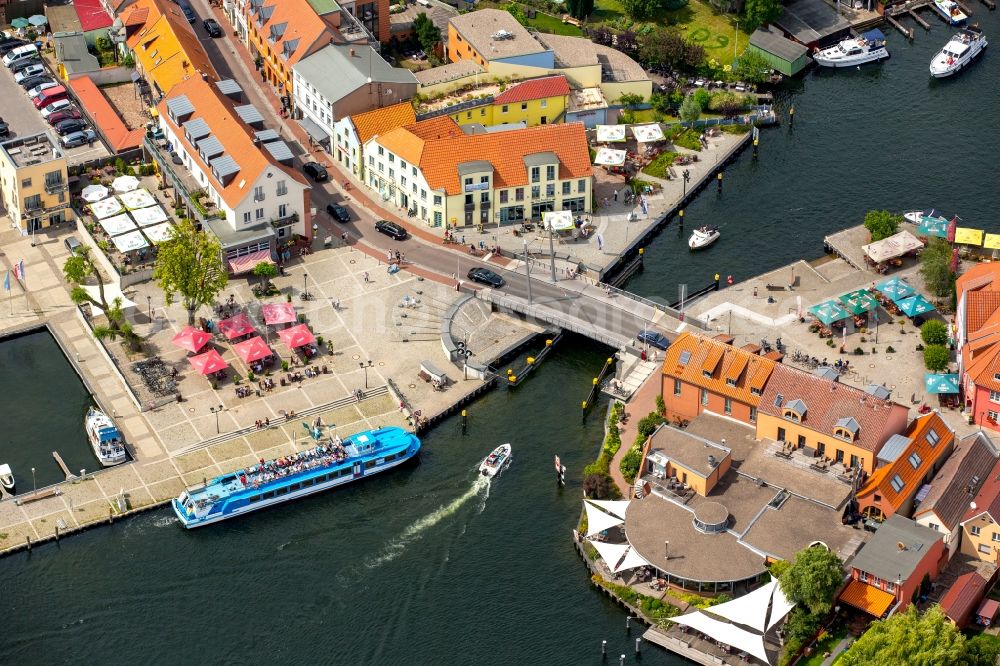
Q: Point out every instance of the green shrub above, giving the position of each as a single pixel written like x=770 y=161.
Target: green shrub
x=703 y=97
x=858 y=351
x=934 y=332
x=649 y=424
x=600 y=486
x=936 y=357
x=629 y=465
x=661 y=407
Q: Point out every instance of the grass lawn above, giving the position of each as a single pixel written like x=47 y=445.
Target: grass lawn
x=826 y=645
x=551 y=24
x=658 y=167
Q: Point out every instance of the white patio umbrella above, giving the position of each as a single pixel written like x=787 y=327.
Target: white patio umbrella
x=37 y=20
x=125 y=183
x=94 y=193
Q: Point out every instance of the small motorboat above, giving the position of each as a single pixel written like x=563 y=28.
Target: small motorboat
x=105 y=438
x=918 y=216
x=496 y=462
x=950 y=11
x=6 y=477
x=703 y=237
x=868 y=47
x=960 y=50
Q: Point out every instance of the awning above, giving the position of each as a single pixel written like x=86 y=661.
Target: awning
x=252 y=350
x=117 y=224
x=137 y=198
x=314 y=130
x=598 y=521
x=208 y=363
x=278 y=313
x=933 y=226
x=610 y=133
x=614 y=507
x=248 y=261
x=895 y=289
x=727 y=633
x=829 y=312
x=935 y=383
x=236 y=326
x=610 y=157
x=992 y=242
x=130 y=242
x=968 y=236
x=647 y=133
x=859 y=301
x=296 y=336
x=869 y=599
x=191 y=339
x=559 y=220
x=894 y=246
x=915 y=305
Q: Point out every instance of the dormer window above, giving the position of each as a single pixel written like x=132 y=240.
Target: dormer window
x=755 y=391
x=846 y=429
x=707 y=373
x=792 y=415
x=795 y=410
x=731 y=382
x=897 y=483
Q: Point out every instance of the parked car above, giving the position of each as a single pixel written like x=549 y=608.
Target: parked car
x=316 y=171
x=188 y=12
x=35 y=91
x=4 y=129
x=72 y=244
x=487 y=277
x=28 y=71
x=212 y=27
x=391 y=229
x=338 y=212
x=8 y=44
x=69 y=126
x=653 y=339
x=49 y=95
x=58 y=106
x=78 y=138
x=58 y=116
x=19 y=67
x=19 y=54
x=33 y=81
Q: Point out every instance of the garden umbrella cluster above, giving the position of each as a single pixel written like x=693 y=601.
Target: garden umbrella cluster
x=895 y=289
x=191 y=339
x=297 y=336
x=859 y=301
x=253 y=349
x=829 y=312
x=208 y=363
x=940 y=384
x=914 y=306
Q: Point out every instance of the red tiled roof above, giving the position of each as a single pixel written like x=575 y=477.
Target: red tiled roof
x=136 y=17
x=108 y=122
x=827 y=402
x=988 y=498
x=984 y=368
x=977 y=277
x=547 y=86
x=963 y=595
x=753 y=369
x=381 y=120
x=92 y=15
x=974 y=456
x=980 y=307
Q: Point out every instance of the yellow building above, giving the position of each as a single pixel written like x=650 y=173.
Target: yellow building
x=980 y=524
x=165 y=48
x=684 y=458
x=533 y=102
x=33 y=182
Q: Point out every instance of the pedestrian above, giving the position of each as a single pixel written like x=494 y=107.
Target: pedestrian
x=398 y=255
x=343 y=238
x=463 y=239
x=366 y=277
x=388 y=255
x=755 y=292
x=616 y=196
x=402 y=257
x=267 y=422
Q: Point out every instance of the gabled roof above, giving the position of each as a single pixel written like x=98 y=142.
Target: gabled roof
x=304 y=30
x=829 y=402
x=963 y=596
x=883 y=557
x=980 y=309
x=92 y=15
x=241 y=157
x=987 y=500
x=979 y=276
x=686 y=356
x=355 y=66
x=913 y=463
x=959 y=479
x=985 y=367
x=380 y=121
x=541 y=88
x=165 y=44
x=105 y=117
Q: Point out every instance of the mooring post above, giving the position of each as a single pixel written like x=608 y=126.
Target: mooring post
x=28 y=539
x=718 y=180
x=604 y=644
x=465 y=421
x=637 y=642
x=791 y=116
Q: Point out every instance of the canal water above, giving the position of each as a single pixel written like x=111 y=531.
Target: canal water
x=427 y=566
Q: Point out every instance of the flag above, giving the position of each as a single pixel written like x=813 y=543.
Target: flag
x=19 y=270
x=6 y=281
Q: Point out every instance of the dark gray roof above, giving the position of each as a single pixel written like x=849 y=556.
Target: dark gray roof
x=811 y=21
x=797 y=406
x=224 y=166
x=210 y=147
x=196 y=129
x=882 y=555
x=893 y=448
x=697 y=454
x=352 y=71
x=180 y=106
x=230 y=237
x=249 y=114
x=972 y=460
x=849 y=423
x=879 y=391
x=279 y=150
x=228 y=87
x=826 y=372
x=776 y=44
x=267 y=135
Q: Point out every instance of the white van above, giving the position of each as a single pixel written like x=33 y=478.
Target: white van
x=424 y=3
x=20 y=53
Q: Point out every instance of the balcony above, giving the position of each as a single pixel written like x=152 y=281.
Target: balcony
x=53 y=188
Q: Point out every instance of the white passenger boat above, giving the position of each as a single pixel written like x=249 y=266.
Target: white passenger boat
x=958 y=52
x=703 y=237
x=918 y=216
x=950 y=11
x=496 y=462
x=105 y=438
x=868 y=47
x=6 y=477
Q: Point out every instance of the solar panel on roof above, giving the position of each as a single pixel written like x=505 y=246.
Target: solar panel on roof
x=224 y=166
x=180 y=106
x=196 y=129
x=279 y=150
x=249 y=114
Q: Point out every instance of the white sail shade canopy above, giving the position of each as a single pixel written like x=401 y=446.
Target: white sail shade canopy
x=631 y=560
x=598 y=521
x=616 y=507
x=729 y=634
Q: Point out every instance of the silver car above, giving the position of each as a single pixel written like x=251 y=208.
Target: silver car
x=74 y=139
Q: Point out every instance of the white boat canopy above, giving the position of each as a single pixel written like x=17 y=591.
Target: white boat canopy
x=647 y=133
x=615 y=507
x=610 y=157
x=728 y=633
x=610 y=133
x=558 y=220
x=598 y=521
x=894 y=246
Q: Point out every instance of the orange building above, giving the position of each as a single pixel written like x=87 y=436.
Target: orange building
x=164 y=45
x=906 y=462
x=977 y=321
x=707 y=375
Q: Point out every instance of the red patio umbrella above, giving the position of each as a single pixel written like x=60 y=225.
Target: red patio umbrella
x=236 y=326
x=252 y=350
x=191 y=339
x=297 y=336
x=208 y=363
x=278 y=313
x=952 y=227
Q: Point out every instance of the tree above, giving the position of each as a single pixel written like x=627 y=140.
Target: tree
x=599 y=486
x=189 y=265
x=813 y=579
x=881 y=224
x=909 y=638
x=935 y=267
x=936 y=357
x=662 y=48
x=690 y=110
x=428 y=34
x=517 y=12
x=761 y=12
x=266 y=271
x=934 y=332
x=800 y=627
x=639 y=10
x=117 y=326
x=579 y=9
x=753 y=67
x=694 y=55
x=78 y=270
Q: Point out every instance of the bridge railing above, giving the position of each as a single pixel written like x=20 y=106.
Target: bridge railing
x=589 y=329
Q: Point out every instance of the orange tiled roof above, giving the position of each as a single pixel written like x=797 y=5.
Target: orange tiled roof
x=827 y=402
x=541 y=88
x=881 y=480
x=758 y=368
x=235 y=136
x=136 y=17
x=980 y=312
x=107 y=119
x=440 y=153
x=381 y=120
x=303 y=30
x=984 y=368
x=165 y=44
x=979 y=276
x=870 y=599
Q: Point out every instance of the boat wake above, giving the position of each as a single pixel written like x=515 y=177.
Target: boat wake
x=480 y=488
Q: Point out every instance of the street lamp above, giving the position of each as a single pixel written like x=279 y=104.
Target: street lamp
x=216 y=410
x=305 y=290
x=149 y=303
x=364 y=366
x=687 y=177
x=34 y=487
x=527 y=269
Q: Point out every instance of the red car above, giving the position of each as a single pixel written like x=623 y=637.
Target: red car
x=59 y=116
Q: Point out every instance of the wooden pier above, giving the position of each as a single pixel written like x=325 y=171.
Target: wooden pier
x=63 y=466
x=907 y=32
x=916 y=17
x=911 y=8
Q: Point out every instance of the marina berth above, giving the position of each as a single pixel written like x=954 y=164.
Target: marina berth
x=950 y=11
x=335 y=462
x=105 y=438
x=960 y=50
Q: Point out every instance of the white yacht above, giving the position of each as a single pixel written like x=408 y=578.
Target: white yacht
x=105 y=438
x=703 y=237
x=950 y=11
x=958 y=52
x=6 y=477
x=867 y=47
x=496 y=462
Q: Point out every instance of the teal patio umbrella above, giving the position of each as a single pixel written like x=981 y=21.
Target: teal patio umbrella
x=915 y=305
x=859 y=301
x=20 y=23
x=935 y=383
x=829 y=312
x=895 y=289
x=933 y=226
x=37 y=20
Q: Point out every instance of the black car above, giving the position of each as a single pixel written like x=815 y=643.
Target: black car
x=487 y=277
x=391 y=229
x=188 y=12
x=653 y=339
x=4 y=129
x=10 y=45
x=338 y=212
x=212 y=27
x=70 y=125
x=18 y=67
x=316 y=171
x=33 y=81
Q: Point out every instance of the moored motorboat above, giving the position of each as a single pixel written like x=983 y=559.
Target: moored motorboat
x=960 y=50
x=105 y=438
x=496 y=462
x=6 y=477
x=918 y=216
x=867 y=47
x=703 y=237
x=950 y=11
